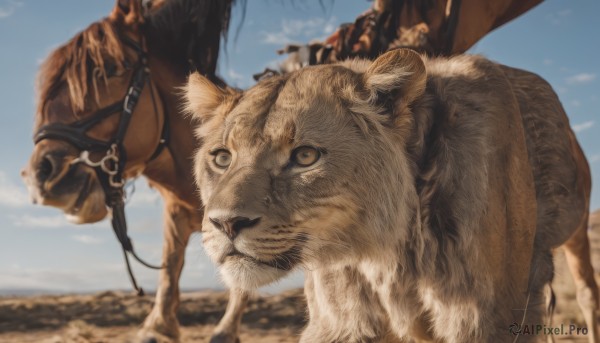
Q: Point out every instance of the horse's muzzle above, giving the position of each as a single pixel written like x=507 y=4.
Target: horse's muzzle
x=53 y=180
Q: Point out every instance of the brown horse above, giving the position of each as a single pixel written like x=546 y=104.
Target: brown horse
x=113 y=87
x=435 y=27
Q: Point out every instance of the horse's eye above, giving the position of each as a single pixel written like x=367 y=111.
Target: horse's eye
x=222 y=158
x=305 y=156
x=110 y=70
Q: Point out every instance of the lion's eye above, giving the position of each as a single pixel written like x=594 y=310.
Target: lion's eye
x=305 y=156
x=222 y=158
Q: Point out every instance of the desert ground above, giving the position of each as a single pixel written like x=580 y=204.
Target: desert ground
x=115 y=316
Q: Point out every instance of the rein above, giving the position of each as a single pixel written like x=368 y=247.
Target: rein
x=109 y=168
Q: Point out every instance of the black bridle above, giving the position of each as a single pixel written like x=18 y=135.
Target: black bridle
x=109 y=168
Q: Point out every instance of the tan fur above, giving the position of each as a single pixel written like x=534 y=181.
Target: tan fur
x=419 y=218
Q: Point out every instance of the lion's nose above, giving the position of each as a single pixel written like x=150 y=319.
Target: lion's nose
x=232 y=226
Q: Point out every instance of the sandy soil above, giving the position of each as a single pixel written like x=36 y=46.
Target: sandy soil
x=115 y=317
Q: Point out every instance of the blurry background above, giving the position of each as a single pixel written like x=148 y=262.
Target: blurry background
x=41 y=252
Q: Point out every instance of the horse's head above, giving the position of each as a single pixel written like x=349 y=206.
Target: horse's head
x=83 y=87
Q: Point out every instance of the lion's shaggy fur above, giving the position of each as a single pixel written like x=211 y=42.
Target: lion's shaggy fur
x=419 y=218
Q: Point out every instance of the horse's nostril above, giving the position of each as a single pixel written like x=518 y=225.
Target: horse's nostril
x=45 y=169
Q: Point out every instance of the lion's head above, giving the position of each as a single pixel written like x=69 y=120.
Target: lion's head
x=289 y=170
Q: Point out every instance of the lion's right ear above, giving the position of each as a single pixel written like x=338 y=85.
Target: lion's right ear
x=397 y=77
x=202 y=97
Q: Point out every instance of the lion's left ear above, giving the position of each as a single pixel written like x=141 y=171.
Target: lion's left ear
x=202 y=97
x=398 y=76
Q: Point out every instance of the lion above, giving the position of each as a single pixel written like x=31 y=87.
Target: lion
x=402 y=187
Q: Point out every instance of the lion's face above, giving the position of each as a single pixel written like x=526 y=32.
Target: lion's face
x=296 y=171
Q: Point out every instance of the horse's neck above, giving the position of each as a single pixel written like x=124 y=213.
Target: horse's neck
x=171 y=172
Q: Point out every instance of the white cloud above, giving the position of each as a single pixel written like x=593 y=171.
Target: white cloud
x=78 y=277
x=10 y=194
x=140 y=199
x=560 y=16
x=329 y=28
x=275 y=38
x=594 y=158
x=233 y=75
x=236 y=79
x=293 y=30
x=72 y=280
x=87 y=239
x=576 y=103
x=547 y=61
x=58 y=221
x=8 y=8
x=581 y=78
x=273 y=64
x=45 y=222
x=565 y=12
x=142 y=195
x=72 y=272
x=583 y=126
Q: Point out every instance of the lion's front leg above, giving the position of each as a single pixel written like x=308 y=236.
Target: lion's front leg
x=161 y=324
x=344 y=308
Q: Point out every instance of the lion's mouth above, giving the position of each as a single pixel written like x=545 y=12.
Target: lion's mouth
x=285 y=261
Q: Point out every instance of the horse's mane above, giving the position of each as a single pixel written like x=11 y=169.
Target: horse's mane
x=71 y=64
x=190 y=31
x=181 y=28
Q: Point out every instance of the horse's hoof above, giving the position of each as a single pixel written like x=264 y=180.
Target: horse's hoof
x=224 y=338
x=148 y=336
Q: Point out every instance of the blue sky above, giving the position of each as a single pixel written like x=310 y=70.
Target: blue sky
x=39 y=250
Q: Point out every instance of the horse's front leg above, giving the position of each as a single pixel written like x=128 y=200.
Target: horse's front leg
x=228 y=329
x=161 y=324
